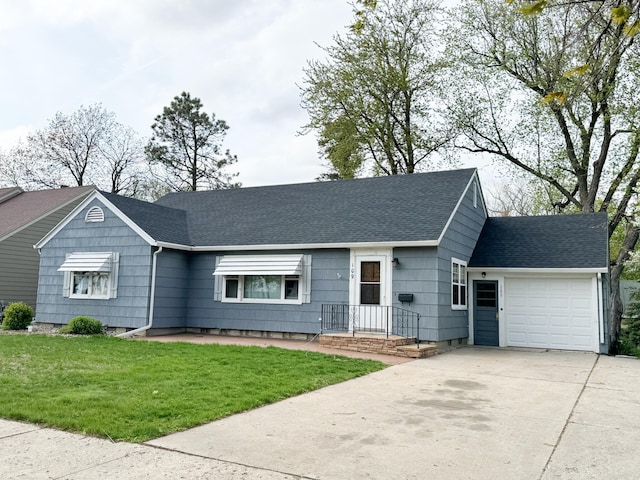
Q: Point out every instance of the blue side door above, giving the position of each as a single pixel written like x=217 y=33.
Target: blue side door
x=485 y=313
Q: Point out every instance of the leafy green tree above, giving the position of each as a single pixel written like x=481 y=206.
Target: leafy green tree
x=630 y=333
x=555 y=93
x=186 y=145
x=372 y=102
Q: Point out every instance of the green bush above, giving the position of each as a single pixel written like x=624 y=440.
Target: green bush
x=17 y=316
x=631 y=330
x=629 y=340
x=83 y=326
x=627 y=347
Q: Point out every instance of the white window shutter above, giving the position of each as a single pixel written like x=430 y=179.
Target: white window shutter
x=115 y=267
x=306 y=279
x=217 y=283
x=66 y=286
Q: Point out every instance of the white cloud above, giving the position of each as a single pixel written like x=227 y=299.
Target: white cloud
x=242 y=58
x=11 y=137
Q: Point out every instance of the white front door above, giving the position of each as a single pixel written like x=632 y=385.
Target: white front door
x=370 y=291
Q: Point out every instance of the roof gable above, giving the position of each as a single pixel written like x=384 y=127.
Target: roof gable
x=153 y=223
x=551 y=241
x=400 y=208
x=163 y=224
x=21 y=209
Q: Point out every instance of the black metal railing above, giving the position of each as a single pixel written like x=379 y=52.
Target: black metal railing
x=370 y=319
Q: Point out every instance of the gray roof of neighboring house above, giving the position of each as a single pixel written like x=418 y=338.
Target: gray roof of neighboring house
x=554 y=241
x=18 y=208
x=163 y=224
x=396 y=208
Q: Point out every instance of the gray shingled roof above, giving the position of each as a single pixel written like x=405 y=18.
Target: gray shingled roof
x=383 y=209
x=555 y=241
x=163 y=224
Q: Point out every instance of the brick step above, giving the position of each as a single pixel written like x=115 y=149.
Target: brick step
x=423 y=351
x=393 y=345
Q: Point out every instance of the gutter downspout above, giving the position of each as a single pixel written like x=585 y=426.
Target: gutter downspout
x=601 y=310
x=152 y=300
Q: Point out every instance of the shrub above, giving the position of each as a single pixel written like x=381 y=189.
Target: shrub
x=83 y=326
x=17 y=316
x=629 y=340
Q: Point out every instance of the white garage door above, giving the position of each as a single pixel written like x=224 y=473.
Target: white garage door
x=550 y=313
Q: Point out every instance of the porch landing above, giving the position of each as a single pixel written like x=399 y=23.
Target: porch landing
x=372 y=343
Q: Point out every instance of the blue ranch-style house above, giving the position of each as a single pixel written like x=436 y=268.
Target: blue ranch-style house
x=412 y=255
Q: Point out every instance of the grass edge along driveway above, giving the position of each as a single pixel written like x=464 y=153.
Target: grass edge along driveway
x=134 y=391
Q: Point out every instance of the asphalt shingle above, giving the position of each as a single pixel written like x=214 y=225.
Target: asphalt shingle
x=553 y=241
x=162 y=223
x=382 y=209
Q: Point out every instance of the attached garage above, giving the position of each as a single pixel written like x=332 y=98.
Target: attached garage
x=550 y=281
x=557 y=313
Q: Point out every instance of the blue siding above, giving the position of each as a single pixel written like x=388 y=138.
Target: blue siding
x=184 y=295
x=417 y=273
x=326 y=287
x=130 y=308
x=459 y=241
x=172 y=289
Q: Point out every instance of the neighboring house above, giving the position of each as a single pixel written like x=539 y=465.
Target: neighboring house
x=367 y=254
x=627 y=289
x=25 y=217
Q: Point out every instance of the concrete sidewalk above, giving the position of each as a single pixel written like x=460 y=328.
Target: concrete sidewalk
x=289 y=344
x=472 y=413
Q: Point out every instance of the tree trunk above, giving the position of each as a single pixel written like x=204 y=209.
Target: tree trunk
x=632 y=233
x=615 y=308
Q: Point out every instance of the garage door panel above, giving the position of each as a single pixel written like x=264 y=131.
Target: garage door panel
x=516 y=339
x=558 y=303
x=560 y=321
x=580 y=309
x=581 y=323
x=583 y=340
x=550 y=313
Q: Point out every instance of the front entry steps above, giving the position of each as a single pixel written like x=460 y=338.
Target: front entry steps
x=371 y=343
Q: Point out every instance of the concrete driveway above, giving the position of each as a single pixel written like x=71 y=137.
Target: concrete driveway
x=472 y=413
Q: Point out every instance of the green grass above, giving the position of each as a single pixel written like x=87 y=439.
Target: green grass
x=133 y=390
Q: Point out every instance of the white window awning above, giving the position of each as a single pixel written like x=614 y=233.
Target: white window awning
x=259 y=265
x=87 y=262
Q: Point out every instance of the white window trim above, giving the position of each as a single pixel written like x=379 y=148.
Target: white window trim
x=91 y=295
x=304 y=287
x=475 y=194
x=112 y=289
x=457 y=263
x=242 y=299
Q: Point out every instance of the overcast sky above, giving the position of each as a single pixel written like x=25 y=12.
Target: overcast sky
x=242 y=58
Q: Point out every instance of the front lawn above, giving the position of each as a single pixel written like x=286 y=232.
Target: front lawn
x=134 y=391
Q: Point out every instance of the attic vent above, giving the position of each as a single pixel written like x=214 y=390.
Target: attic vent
x=95 y=214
